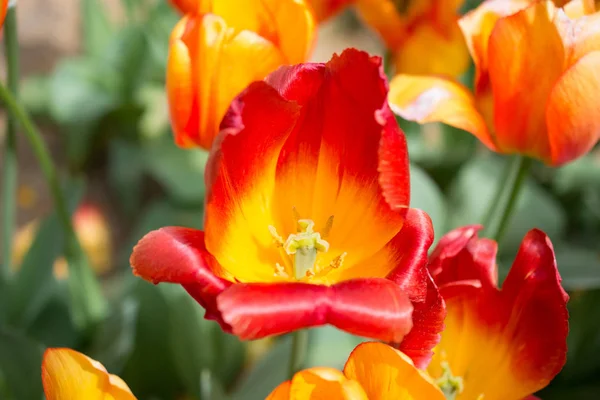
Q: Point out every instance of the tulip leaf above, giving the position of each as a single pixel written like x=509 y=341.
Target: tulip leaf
x=426 y=195
x=473 y=189
x=179 y=171
x=20 y=363
x=97 y=28
x=266 y=374
x=579 y=267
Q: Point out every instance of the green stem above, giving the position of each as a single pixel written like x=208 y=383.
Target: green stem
x=523 y=166
x=10 y=166
x=88 y=304
x=508 y=171
x=299 y=347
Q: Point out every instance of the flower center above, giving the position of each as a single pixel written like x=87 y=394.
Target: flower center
x=301 y=249
x=450 y=385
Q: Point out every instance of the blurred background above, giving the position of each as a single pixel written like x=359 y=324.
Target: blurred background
x=93 y=78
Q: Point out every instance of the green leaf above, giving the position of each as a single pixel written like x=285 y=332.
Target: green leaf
x=583 y=173
x=113 y=341
x=471 y=195
x=426 y=195
x=97 y=28
x=20 y=366
x=267 y=373
x=126 y=171
x=330 y=347
x=34 y=283
x=54 y=326
x=180 y=171
x=150 y=370
x=82 y=91
x=35 y=94
x=579 y=267
x=199 y=346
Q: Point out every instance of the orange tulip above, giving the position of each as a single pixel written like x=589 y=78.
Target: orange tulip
x=374 y=371
x=498 y=344
x=422 y=35
x=68 y=375
x=536 y=87
x=324 y=9
x=220 y=47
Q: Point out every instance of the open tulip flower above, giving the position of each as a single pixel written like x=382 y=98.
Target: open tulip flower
x=422 y=35
x=498 y=344
x=307 y=219
x=374 y=371
x=537 y=87
x=69 y=375
x=218 y=48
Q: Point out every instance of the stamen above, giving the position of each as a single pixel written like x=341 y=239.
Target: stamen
x=451 y=385
x=304 y=245
x=280 y=271
x=328 y=226
x=276 y=237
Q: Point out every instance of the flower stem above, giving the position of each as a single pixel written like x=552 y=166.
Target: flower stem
x=88 y=304
x=10 y=166
x=523 y=164
x=299 y=347
x=508 y=171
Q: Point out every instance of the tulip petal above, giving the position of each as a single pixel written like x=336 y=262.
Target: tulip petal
x=329 y=148
x=281 y=392
x=178 y=255
x=434 y=99
x=68 y=374
x=477 y=26
x=523 y=48
x=373 y=307
x=573 y=109
x=386 y=373
x=324 y=384
x=3 y=10
x=287 y=23
x=325 y=9
x=199 y=87
x=518 y=332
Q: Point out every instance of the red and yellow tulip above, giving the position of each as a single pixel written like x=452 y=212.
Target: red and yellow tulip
x=537 y=89
x=68 y=375
x=504 y=344
x=374 y=371
x=307 y=218
x=422 y=35
x=218 y=48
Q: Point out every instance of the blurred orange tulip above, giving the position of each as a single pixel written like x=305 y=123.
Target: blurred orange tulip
x=3 y=9
x=537 y=87
x=422 y=35
x=219 y=48
x=93 y=231
x=324 y=9
x=69 y=375
x=373 y=371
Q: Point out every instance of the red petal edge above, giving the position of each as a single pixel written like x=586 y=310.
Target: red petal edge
x=375 y=308
x=177 y=255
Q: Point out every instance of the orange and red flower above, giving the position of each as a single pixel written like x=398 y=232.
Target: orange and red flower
x=68 y=374
x=218 y=48
x=503 y=343
x=374 y=371
x=422 y=35
x=307 y=219
x=537 y=89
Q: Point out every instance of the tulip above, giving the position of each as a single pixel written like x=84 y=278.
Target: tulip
x=373 y=371
x=306 y=218
x=68 y=374
x=422 y=35
x=498 y=343
x=536 y=86
x=218 y=48
x=324 y=9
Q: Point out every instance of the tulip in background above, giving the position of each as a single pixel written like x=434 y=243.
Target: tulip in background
x=218 y=48
x=422 y=36
x=69 y=375
x=374 y=371
x=3 y=9
x=307 y=218
x=501 y=344
x=537 y=87
x=325 y=9
x=92 y=229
